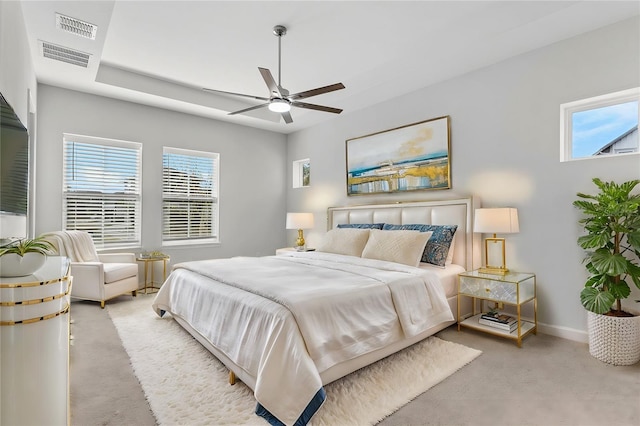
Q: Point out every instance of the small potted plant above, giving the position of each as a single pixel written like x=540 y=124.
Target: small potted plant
x=24 y=256
x=612 y=222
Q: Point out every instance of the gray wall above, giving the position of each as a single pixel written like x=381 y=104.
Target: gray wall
x=505 y=127
x=17 y=77
x=252 y=168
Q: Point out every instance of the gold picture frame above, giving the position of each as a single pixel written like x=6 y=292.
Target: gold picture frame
x=413 y=157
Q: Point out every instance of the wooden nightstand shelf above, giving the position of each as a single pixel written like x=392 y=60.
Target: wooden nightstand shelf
x=514 y=288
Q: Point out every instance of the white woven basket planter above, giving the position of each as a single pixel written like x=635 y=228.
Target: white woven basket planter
x=614 y=340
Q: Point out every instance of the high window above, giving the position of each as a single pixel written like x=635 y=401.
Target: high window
x=101 y=189
x=189 y=196
x=301 y=173
x=600 y=126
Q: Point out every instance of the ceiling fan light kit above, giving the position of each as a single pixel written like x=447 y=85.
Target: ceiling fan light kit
x=280 y=100
x=279 y=105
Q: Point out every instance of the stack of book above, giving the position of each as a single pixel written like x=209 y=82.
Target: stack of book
x=499 y=321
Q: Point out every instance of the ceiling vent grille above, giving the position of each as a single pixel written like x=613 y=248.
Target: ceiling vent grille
x=76 y=26
x=64 y=54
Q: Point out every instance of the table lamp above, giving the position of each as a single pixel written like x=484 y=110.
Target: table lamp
x=299 y=221
x=495 y=221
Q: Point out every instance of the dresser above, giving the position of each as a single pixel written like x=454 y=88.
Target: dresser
x=34 y=334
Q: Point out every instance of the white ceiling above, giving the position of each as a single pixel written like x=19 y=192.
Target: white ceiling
x=161 y=53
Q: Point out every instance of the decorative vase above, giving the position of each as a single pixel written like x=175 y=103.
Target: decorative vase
x=614 y=340
x=14 y=265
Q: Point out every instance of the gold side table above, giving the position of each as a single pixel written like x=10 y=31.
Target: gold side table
x=514 y=288
x=149 y=286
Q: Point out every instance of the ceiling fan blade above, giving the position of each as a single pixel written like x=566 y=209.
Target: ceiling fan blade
x=316 y=107
x=287 y=117
x=249 y=109
x=271 y=83
x=236 y=94
x=316 y=92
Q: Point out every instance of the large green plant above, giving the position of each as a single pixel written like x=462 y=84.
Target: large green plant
x=612 y=222
x=27 y=245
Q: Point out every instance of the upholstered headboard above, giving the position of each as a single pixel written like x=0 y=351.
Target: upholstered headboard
x=467 y=246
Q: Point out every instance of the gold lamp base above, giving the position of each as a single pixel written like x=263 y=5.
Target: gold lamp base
x=300 y=243
x=494 y=253
x=493 y=270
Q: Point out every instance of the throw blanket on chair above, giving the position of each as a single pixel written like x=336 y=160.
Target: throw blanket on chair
x=76 y=245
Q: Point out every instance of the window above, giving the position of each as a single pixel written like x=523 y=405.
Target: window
x=301 y=173
x=101 y=189
x=600 y=126
x=189 y=196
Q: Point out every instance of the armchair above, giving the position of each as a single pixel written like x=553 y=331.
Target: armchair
x=97 y=277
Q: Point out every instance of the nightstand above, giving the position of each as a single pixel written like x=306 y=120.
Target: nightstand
x=149 y=285
x=513 y=288
x=289 y=249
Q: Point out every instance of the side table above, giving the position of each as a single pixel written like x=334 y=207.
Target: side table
x=514 y=288
x=149 y=286
x=290 y=249
x=34 y=344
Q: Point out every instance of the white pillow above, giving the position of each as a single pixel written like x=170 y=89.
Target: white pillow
x=449 y=260
x=404 y=247
x=349 y=241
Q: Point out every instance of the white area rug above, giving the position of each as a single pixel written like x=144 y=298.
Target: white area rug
x=186 y=385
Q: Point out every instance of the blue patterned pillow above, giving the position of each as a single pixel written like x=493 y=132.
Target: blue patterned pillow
x=438 y=245
x=361 y=225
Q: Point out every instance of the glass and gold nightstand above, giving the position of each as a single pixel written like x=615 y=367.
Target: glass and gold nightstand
x=513 y=288
x=149 y=260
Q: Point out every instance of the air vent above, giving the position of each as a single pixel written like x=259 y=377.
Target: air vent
x=76 y=26
x=64 y=54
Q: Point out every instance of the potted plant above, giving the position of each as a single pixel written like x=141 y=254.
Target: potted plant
x=24 y=256
x=612 y=222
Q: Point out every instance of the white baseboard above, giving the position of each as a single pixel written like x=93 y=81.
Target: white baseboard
x=564 y=332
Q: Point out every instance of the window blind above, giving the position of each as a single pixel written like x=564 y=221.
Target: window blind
x=102 y=189
x=189 y=196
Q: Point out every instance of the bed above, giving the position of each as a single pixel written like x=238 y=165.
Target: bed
x=287 y=325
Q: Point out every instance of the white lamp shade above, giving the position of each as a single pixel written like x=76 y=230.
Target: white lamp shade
x=496 y=221
x=299 y=220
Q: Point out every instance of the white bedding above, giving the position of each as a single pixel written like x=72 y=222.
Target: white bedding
x=448 y=276
x=285 y=319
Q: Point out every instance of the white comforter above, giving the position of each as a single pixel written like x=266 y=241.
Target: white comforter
x=305 y=313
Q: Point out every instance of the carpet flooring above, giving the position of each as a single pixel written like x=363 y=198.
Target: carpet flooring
x=549 y=381
x=185 y=384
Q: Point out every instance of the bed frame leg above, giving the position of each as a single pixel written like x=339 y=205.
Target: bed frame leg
x=232 y=378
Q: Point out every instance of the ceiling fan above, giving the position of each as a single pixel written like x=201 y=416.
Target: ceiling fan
x=280 y=100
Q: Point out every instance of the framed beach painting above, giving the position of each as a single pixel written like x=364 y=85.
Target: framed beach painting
x=408 y=158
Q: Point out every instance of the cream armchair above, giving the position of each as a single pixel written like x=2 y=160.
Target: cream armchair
x=98 y=277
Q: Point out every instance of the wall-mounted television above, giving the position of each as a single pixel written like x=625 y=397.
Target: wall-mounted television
x=14 y=173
